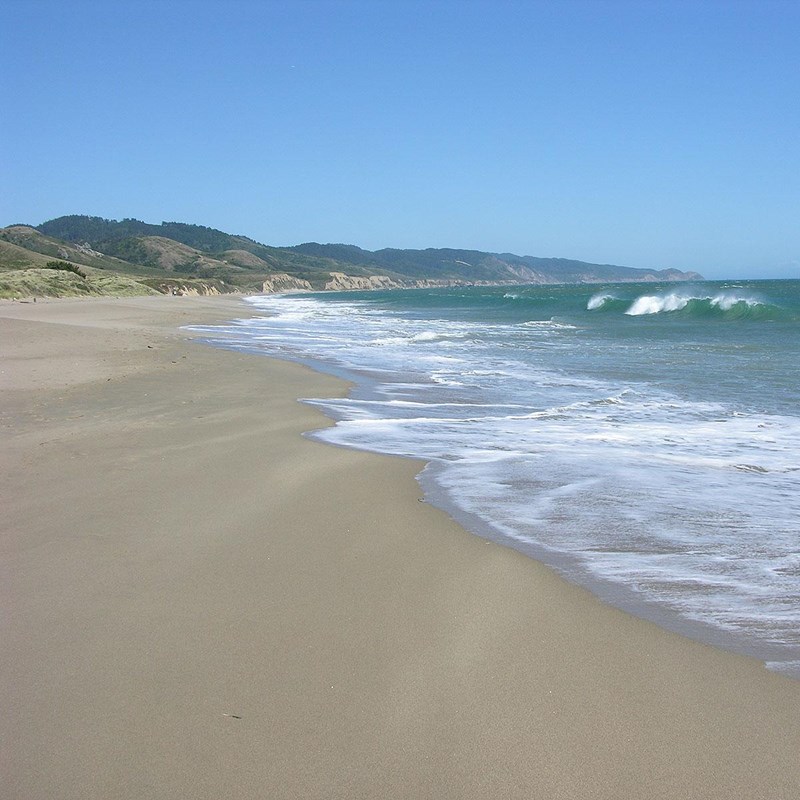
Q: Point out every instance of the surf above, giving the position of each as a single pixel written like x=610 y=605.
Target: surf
x=723 y=305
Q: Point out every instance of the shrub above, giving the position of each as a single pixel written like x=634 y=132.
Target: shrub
x=66 y=267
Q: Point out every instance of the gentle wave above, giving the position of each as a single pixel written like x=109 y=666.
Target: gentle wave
x=424 y=337
x=551 y=324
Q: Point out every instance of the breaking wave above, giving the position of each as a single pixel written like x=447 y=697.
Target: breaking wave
x=726 y=304
x=606 y=302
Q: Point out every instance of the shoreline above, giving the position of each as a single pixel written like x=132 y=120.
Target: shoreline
x=781 y=658
x=618 y=595
x=201 y=601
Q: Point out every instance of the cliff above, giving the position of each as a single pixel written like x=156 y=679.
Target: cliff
x=281 y=282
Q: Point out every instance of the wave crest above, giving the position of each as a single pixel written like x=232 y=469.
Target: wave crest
x=730 y=305
x=598 y=301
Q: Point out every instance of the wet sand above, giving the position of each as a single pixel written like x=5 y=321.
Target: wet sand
x=199 y=602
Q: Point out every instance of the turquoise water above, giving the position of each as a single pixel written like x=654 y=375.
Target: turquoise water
x=643 y=439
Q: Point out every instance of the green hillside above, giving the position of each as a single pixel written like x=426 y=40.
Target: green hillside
x=128 y=240
x=476 y=265
x=130 y=255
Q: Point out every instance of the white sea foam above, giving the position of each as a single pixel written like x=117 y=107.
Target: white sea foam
x=655 y=304
x=727 y=300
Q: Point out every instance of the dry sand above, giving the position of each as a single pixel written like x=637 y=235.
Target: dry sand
x=200 y=603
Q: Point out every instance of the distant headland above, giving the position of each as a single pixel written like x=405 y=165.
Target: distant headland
x=83 y=255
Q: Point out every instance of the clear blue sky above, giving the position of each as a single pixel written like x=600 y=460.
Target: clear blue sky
x=649 y=134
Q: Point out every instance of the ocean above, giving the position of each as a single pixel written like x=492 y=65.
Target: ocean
x=642 y=439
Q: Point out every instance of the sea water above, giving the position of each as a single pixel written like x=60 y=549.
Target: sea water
x=642 y=439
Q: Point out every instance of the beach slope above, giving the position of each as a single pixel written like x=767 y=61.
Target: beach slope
x=199 y=602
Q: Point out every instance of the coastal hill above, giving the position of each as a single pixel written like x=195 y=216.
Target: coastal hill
x=75 y=255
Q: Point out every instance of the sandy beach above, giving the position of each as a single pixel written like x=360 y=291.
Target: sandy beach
x=199 y=602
